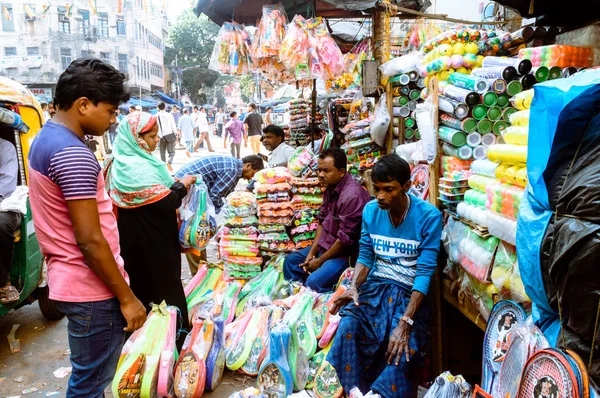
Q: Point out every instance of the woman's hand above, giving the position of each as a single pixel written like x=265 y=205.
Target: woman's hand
x=188 y=180
x=399 y=344
x=349 y=295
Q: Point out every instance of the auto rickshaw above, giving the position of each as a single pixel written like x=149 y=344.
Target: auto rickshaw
x=28 y=271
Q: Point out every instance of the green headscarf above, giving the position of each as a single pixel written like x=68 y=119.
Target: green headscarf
x=134 y=177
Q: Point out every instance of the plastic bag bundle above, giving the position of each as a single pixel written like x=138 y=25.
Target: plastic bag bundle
x=271 y=31
x=326 y=58
x=249 y=392
x=274 y=216
x=308 y=194
x=231 y=54
x=276 y=242
x=506 y=275
x=208 y=283
x=273 y=192
x=381 y=123
x=198 y=218
x=294 y=51
x=146 y=362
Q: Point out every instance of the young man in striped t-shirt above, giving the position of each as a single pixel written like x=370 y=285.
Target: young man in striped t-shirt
x=76 y=227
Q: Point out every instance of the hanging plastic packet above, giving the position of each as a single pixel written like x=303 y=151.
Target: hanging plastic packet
x=198 y=215
x=271 y=31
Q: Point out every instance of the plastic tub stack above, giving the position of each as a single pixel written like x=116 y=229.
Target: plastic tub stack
x=362 y=152
x=275 y=210
x=238 y=244
x=299 y=118
x=407 y=94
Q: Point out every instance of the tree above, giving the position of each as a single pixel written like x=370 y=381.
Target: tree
x=191 y=40
x=247 y=86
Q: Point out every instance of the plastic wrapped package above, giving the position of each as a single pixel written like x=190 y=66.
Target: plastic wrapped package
x=258 y=289
x=481 y=294
x=249 y=392
x=265 y=229
x=502 y=227
x=229 y=211
x=451 y=164
x=300 y=160
x=515 y=135
x=273 y=188
x=506 y=275
x=239 y=222
x=512 y=174
x=558 y=55
x=399 y=65
x=520 y=118
x=139 y=371
x=480 y=182
x=276 y=242
x=243 y=233
x=273 y=175
x=275 y=376
x=241 y=198
x=472 y=213
x=476 y=254
x=522 y=100
x=231 y=53
x=424 y=115
x=381 y=123
x=476 y=198
x=301 y=202
x=275 y=220
x=237 y=248
x=327 y=60
x=271 y=31
x=484 y=167
x=504 y=199
x=198 y=218
x=448 y=386
x=454 y=232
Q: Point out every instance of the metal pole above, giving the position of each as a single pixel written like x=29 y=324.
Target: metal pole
x=177 y=74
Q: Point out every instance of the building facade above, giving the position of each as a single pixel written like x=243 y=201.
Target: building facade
x=40 y=38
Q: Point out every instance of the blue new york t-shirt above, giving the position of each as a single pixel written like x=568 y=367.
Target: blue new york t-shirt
x=407 y=254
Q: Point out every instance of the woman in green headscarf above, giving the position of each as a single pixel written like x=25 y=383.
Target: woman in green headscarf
x=147 y=198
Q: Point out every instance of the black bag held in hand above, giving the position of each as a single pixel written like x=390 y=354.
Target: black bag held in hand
x=168 y=137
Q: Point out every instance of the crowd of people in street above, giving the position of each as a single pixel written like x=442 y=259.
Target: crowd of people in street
x=110 y=235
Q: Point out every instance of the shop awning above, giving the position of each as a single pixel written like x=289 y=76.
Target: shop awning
x=135 y=101
x=165 y=98
x=557 y=13
x=249 y=11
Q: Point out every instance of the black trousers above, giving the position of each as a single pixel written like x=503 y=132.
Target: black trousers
x=10 y=222
x=168 y=147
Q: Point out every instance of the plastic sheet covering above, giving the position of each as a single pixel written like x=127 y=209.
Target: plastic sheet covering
x=557 y=254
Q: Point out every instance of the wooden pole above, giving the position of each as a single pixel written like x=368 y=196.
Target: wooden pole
x=436 y=285
x=382 y=51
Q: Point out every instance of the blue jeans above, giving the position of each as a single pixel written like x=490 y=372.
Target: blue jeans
x=321 y=280
x=96 y=338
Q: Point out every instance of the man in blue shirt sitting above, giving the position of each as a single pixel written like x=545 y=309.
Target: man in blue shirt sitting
x=383 y=324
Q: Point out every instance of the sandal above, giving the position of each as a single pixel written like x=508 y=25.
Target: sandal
x=9 y=295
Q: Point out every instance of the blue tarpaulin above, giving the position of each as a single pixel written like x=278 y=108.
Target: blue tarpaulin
x=535 y=211
x=166 y=99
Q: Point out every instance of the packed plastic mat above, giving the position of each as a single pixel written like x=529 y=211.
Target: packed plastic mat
x=146 y=363
x=197 y=213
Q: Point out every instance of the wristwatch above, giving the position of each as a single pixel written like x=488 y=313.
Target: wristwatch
x=407 y=320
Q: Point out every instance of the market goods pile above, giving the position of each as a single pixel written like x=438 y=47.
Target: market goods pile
x=302 y=49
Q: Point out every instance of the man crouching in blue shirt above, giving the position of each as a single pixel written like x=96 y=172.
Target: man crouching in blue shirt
x=383 y=324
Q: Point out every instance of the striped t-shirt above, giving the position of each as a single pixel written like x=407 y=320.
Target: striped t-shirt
x=61 y=169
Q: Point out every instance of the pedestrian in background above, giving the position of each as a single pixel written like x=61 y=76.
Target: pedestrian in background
x=235 y=130
x=186 y=127
x=167 y=132
x=253 y=125
x=220 y=121
x=202 y=123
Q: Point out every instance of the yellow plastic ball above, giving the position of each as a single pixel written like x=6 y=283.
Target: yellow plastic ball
x=471 y=48
x=458 y=48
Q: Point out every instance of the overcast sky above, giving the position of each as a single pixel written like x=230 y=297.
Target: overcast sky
x=177 y=7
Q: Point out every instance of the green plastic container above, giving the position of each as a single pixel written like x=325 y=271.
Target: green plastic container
x=490 y=99
x=500 y=126
x=514 y=88
x=503 y=101
x=452 y=136
x=484 y=126
x=494 y=113
x=479 y=112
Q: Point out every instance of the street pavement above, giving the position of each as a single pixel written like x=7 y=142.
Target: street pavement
x=44 y=344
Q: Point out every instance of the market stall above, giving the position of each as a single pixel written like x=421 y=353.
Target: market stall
x=482 y=147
